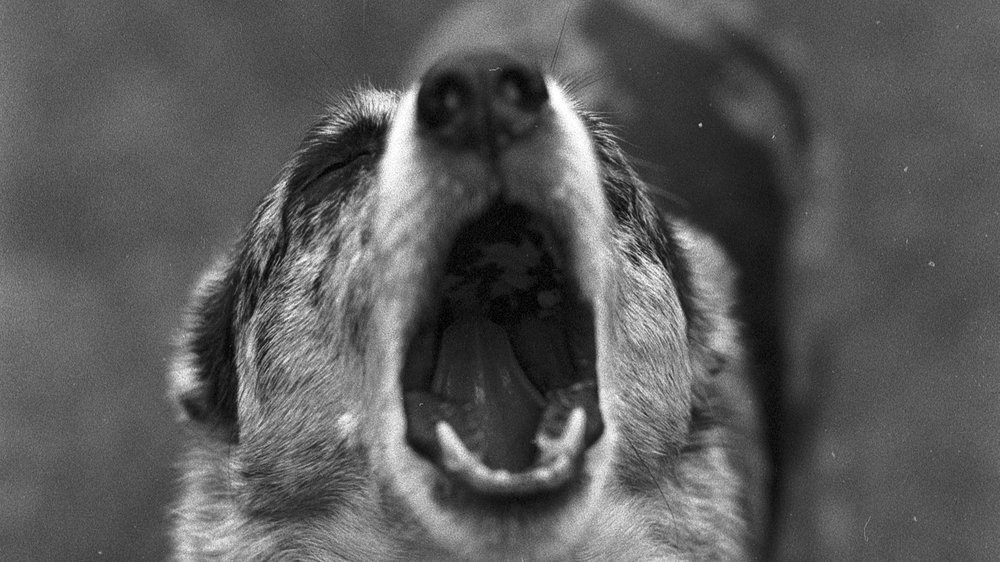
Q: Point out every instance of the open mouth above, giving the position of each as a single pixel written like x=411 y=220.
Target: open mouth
x=499 y=379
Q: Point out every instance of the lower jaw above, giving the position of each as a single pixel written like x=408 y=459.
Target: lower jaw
x=543 y=526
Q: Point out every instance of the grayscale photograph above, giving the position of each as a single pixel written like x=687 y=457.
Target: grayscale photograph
x=499 y=280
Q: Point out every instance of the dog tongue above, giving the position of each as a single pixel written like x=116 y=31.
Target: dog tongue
x=476 y=366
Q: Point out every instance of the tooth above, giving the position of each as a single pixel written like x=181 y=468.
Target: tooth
x=455 y=456
x=553 y=469
x=544 y=474
x=500 y=477
x=571 y=440
x=572 y=437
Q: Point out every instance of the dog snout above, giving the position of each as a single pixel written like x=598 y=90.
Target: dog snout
x=481 y=101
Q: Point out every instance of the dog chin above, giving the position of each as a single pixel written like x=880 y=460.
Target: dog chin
x=469 y=526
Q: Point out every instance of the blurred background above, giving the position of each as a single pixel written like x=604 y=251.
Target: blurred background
x=135 y=138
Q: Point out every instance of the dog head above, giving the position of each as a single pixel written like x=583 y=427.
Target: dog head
x=456 y=326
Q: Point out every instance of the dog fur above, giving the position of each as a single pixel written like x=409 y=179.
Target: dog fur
x=288 y=374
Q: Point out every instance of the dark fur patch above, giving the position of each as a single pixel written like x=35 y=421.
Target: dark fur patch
x=213 y=401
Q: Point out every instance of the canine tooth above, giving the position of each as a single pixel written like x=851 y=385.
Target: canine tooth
x=572 y=437
x=455 y=455
x=562 y=447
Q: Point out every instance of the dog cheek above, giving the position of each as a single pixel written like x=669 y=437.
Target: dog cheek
x=652 y=370
x=312 y=460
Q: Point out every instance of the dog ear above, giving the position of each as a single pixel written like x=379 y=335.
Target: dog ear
x=714 y=332
x=203 y=377
x=725 y=391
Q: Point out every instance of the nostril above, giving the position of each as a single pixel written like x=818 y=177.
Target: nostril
x=518 y=96
x=522 y=88
x=444 y=99
x=480 y=100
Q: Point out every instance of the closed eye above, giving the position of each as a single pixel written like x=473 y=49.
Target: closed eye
x=332 y=179
x=340 y=164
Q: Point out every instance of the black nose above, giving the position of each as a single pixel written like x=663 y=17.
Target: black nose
x=480 y=100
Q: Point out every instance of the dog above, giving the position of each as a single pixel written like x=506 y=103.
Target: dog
x=461 y=327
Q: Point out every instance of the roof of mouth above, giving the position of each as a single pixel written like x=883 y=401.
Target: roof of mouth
x=509 y=350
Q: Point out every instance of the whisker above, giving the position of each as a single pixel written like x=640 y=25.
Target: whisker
x=562 y=30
